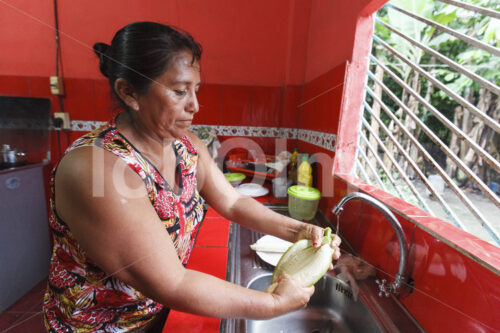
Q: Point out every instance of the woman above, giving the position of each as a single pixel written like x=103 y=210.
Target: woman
x=126 y=202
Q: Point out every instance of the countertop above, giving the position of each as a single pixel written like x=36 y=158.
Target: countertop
x=209 y=256
x=23 y=167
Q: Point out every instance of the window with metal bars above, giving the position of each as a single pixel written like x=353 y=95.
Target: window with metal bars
x=430 y=130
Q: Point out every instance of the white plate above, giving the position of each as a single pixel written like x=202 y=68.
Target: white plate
x=272 y=258
x=252 y=190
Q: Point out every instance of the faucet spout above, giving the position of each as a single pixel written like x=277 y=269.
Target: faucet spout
x=400 y=277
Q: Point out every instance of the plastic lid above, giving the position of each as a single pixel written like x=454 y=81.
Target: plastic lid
x=304 y=192
x=234 y=176
x=304 y=158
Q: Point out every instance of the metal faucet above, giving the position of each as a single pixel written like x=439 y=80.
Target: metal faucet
x=395 y=286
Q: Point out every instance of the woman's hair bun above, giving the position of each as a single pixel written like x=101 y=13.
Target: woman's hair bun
x=101 y=49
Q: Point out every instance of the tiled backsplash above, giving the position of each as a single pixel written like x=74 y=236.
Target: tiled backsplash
x=320 y=139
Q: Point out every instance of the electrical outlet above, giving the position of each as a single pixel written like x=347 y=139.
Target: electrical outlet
x=66 y=125
x=56 y=85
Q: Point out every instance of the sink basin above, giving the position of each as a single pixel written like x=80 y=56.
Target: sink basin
x=331 y=309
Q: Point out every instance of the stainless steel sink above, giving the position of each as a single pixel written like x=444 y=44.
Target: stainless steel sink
x=332 y=308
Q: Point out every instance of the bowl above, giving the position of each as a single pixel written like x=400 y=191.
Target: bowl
x=235 y=178
x=303 y=202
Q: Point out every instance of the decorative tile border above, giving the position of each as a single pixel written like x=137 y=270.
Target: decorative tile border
x=86 y=125
x=267 y=132
x=321 y=139
x=252 y=131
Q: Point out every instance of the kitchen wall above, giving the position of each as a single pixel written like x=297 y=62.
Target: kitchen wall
x=241 y=105
x=246 y=43
x=455 y=274
x=319 y=111
x=259 y=57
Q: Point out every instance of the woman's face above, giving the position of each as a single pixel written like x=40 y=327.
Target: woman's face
x=168 y=108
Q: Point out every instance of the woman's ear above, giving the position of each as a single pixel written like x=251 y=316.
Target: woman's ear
x=127 y=93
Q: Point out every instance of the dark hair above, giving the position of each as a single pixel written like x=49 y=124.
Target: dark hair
x=141 y=51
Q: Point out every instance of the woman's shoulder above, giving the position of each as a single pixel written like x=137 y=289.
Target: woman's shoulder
x=78 y=157
x=90 y=159
x=84 y=159
x=89 y=169
x=73 y=174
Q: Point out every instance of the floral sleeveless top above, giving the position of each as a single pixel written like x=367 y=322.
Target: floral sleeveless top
x=80 y=297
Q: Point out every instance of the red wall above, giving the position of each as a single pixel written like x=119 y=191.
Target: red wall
x=456 y=290
x=350 y=113
x=331 y=35
x=260 y=42
x=26 y=39
x=254 y=64
x=253 y=42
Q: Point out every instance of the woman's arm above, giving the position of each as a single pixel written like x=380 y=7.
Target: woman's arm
x=221 y=195
x=122 y=233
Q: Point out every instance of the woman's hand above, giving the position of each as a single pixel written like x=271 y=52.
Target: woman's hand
x=289 y=295
x=315 y=234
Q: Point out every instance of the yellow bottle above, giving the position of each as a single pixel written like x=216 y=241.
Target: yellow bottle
x=304 y=176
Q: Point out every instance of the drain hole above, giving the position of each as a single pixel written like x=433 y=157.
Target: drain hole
x=316 y=331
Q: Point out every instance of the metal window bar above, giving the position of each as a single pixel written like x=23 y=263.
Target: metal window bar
x=363 y=172
x=486 y=47
x=492 y=123
x=473 y=76
x=473 y=8
x=453 y=217
x=484 y=222
x=382 y=165
x=460 y=134
x=373 y=171
x=458 y=162
x=396 y=165
x=445 y=121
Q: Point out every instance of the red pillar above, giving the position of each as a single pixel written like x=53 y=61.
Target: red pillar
x=353 y=96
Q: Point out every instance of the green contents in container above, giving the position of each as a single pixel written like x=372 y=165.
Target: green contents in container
x=303 y=202
x=235 y=178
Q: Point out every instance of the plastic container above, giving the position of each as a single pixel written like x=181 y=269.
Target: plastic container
x=280 y=187
x=303 y=202
x=304 y=174
x=235 y=178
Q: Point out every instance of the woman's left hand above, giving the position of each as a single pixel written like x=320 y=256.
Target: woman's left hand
x=315 y=234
